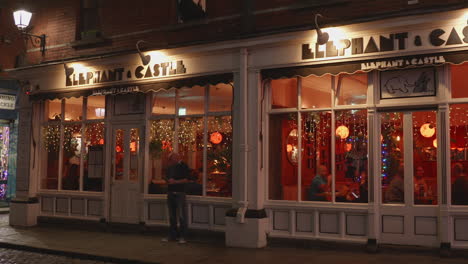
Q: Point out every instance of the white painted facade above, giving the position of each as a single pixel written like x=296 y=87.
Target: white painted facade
x=395 y=224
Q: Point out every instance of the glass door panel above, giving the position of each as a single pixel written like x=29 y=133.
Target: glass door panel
x=134 y=149
x=392 y=158
x=119 y=150
x=424 y=157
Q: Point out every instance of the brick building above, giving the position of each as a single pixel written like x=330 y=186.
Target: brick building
x=244 y=91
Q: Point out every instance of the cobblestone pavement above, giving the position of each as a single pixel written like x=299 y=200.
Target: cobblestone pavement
x=11 y=256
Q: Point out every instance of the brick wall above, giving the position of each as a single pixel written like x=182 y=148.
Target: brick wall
x=123 y=23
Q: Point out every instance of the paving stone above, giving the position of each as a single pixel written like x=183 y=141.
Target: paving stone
x=11 y=256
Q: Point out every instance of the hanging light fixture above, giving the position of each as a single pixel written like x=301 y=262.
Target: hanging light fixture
x=145 y=59
x=427 y=130
x=322 y=37
x=22 y=19
x=342 y=131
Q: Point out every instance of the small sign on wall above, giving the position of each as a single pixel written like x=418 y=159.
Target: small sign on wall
x=7 y=101
x=408 y=83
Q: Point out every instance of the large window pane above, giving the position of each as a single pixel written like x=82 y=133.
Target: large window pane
x=283 y=157
x=458 y=80
x=316 y=156
x=190 y=137
x=96 y=108
x=351 y=89
x=392 y=154
x=220 y=98
x=424 y=157
x=51 y=134
x=53 y=109
x=94 y=157
x=164 y=102
x=160 y=146
x=351 y=156
x=284 y=93
x=191 y=101
x=74 y=109
x=459 y=153
x=71 y=157
x=219 y=156
x=316 y=92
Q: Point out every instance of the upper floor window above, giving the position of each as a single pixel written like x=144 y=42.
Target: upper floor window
x=89 y=26
x=190 y=10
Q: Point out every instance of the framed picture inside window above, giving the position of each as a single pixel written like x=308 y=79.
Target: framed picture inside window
x=407 y=83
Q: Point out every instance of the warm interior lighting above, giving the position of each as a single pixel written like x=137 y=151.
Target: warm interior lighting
x=22 y=18
x=100 y=112
x=182 y=111
x=398 y=138
x=133 y=146
x=289 y=147
x=434 y=143
x=342 y=132
x=216 y=138
x=427 y=130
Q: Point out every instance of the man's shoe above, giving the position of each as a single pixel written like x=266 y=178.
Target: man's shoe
x=182 y=241
x=167 y=239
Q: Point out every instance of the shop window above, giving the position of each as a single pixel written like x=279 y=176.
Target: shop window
x=351 y=142
x=94 y=157
x=283 y=157
x=160 y=146
x=351 y=89
x=458 y=80
x=206 y=149
x=220 y=97
x=425 y=157
x=459 y=153
x=219 y=157
x=316 y=156
x=73 y=109
x=392 y=155
x=191 y=100
x=164 y=102
x=284 y=93
x=53 y=110
x=96 y=107
x=191 y=10
x=316 y=92
x=78 y=142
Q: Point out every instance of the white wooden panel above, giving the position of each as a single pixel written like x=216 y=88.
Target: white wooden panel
x=200 y=214
x=157 y=211
x=95 y=207
x=219 y=215
x=425 y=226
x=61 y=205
x=329 y=223
x=393 y=224
x=47 y=204
x=356 y=225
x=461 y=229
x=281 y=220
x=305 y=222
x=77 y=206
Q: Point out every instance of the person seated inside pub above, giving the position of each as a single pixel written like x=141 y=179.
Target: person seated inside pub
x=421 y=189
x=460 y=186
x=320 y=186
x=396 y=192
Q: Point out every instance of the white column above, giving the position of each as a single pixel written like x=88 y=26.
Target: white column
x=246 y=223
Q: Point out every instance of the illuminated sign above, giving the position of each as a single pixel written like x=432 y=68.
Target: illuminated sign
x=82 y=76
x=387 y=43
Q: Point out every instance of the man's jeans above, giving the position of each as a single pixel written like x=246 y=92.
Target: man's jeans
x=176 y=205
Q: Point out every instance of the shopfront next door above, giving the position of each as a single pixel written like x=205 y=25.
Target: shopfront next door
x=409 y=179
x=126 y=174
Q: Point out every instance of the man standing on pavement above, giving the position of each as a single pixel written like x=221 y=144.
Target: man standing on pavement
x=177 y=176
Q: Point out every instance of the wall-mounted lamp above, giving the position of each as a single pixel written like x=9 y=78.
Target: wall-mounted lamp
x=22 y=19
x=322 y=37
x=145 y=59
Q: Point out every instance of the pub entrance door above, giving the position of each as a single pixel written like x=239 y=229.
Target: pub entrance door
x=126 y=174
x=409 y=176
